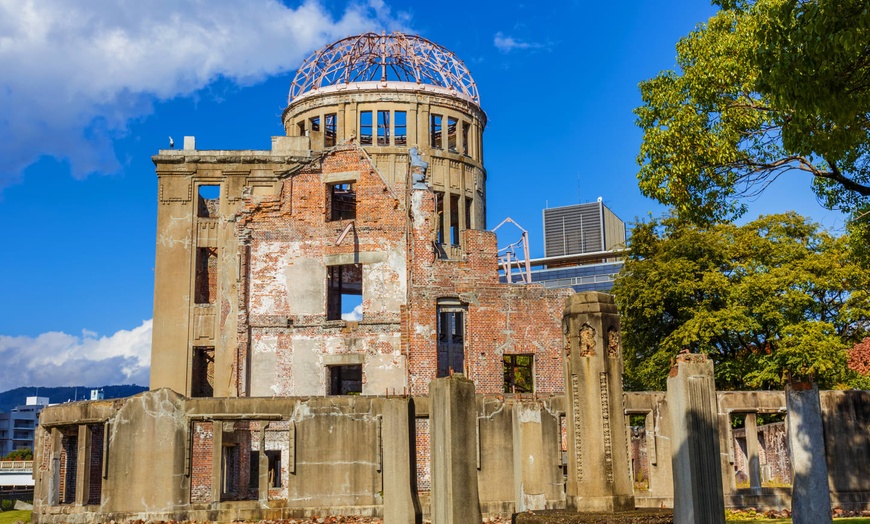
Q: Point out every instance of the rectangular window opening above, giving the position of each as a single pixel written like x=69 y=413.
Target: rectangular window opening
x=383 y=128
x=314 y=131
x=202 y=373
x=344 y=292
x=206 y=275
x=435 y=131
x=467 y=213
x=639 y=451
x=519 y=376
x=465 y=127
x=345 y=380
x=365 y=128
x=208 y=201
x=451 y=340
x=454 y=220
x=69 y=465
x=274 y=457
x=400 y=127
x=439 y=215
x=342 y=201
x=314 y=123
x=330 y=128
x=300 y=126
x=451 y=134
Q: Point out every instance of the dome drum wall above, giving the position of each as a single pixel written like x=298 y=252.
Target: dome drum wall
x=387 y=122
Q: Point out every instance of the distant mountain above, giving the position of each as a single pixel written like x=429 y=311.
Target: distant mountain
x=18 y=396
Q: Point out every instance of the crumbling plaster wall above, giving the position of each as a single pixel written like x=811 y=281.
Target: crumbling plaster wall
x=291 y=243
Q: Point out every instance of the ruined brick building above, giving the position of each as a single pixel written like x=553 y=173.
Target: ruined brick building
x=262 y=256
x=307 y=295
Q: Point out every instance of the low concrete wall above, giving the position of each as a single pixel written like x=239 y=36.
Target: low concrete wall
x=166 y=457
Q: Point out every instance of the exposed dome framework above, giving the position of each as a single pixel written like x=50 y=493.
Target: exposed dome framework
x=395 y=57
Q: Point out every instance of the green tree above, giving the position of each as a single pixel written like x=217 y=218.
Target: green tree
x=776 y=296
x=765 y=88
x=19 y=454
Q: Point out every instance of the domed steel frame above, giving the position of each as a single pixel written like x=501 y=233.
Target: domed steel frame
x=395 y=57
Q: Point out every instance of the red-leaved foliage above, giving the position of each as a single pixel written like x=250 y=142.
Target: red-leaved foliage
x=859 y=357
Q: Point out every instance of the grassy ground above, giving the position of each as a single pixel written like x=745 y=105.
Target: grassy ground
x=10 y=517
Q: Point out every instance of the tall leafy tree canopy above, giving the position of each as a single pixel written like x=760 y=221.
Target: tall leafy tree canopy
x=776 y=297
x=765 y=88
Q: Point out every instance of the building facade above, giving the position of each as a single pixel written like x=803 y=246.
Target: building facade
x=18 y=426
x=320 y=267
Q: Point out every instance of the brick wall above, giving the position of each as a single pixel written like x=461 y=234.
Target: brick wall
x=95 y=482
x=424 y=482
x=202 y=449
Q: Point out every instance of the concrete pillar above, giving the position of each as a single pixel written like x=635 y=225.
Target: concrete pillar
x=54 y=496
x=453 y=418
x=753 y=466
x=217 y=458
x=811 y=496
x=695 y=450
x=399 y=503
x=263 y=484
x=83 y=466
x=599 y=472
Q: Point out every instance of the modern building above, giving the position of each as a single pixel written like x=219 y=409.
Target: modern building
x=584 y=245
x=17 y=427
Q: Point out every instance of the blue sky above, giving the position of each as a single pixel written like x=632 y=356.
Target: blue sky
x=91 y=89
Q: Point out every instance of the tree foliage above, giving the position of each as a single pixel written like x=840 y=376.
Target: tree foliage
x=775 y=297
x=19 y=454
x=764 y=88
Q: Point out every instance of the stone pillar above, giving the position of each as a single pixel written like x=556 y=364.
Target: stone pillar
x=83 y=468
x=753 y=465
x=811 y=496
x=695 y=451
x=453 y=437
x=399 y=507
x=599 y=473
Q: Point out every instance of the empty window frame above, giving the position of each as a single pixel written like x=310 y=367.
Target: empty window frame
x=208 y=201
x=342 y=201
x=202 y=372
x=344 y=292
x=519 y=375
x=454 y=220
x=330 y=127
x=451 y=340
x=345 y=380
x=205 y=282
x=465 y=127
x=435 y=131
x=400 y=128
x=468 y=213
x=274 y=457
x=439 y=216
x=365 y=128
x=300 y=127
x=451 y=134
x=314 y=123
x=383 y=128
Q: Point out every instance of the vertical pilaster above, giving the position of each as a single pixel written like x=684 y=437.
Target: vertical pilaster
x=217 y=458
x=753 y=468
x=83 y=467
x=453 y=418
x=811 y=496
x=599 y=477
x=698 y=497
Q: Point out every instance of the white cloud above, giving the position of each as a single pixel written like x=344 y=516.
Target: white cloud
x=76 y=71
x=354 y=316
x=506 y=44
x=59 y=359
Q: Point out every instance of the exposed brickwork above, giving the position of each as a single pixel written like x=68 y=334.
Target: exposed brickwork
x=95 y=482
x=69 y=453
x=421 y=432
x=773 y=455
x=202 y=450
